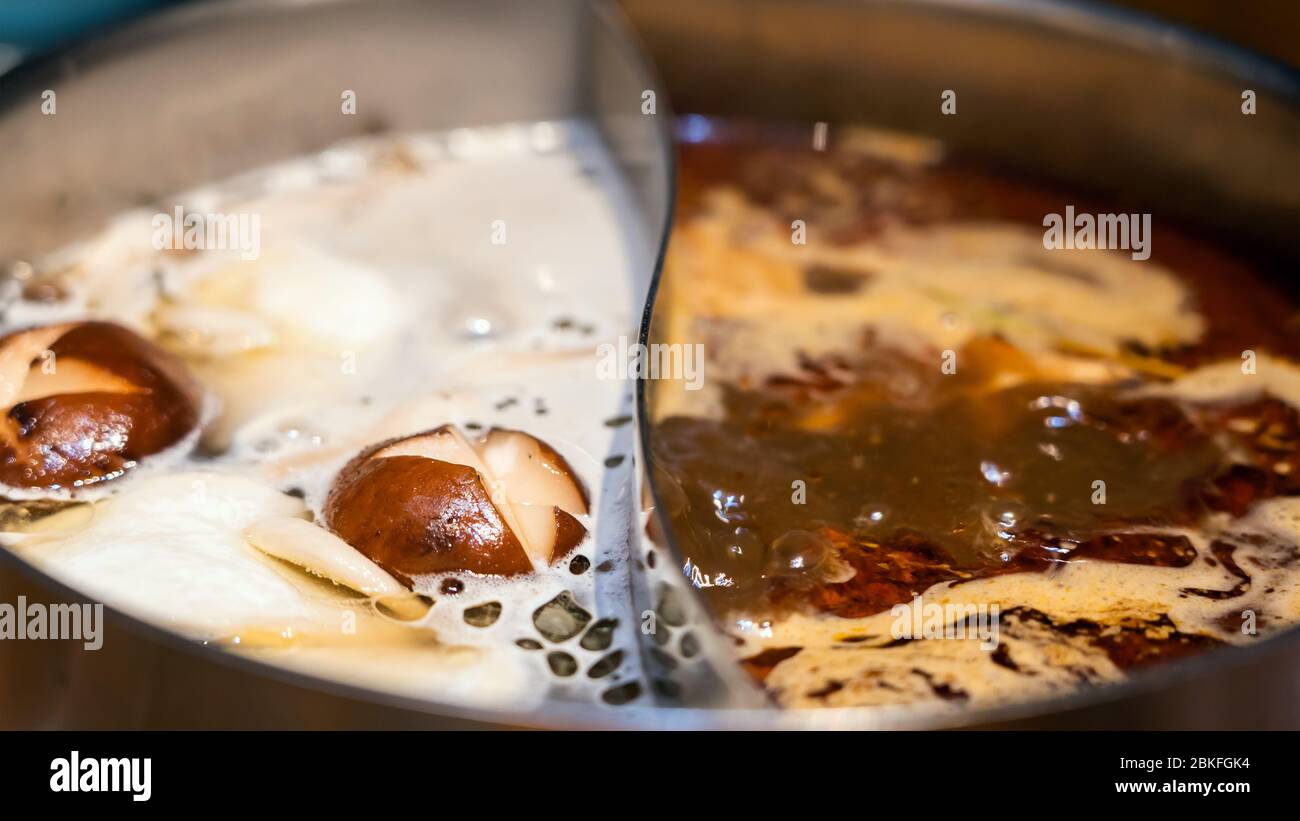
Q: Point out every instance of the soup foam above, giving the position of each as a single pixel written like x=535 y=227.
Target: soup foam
x=401 y=283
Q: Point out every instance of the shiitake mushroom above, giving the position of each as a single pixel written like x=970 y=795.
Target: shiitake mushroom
x=83 y=402
x=437 y=502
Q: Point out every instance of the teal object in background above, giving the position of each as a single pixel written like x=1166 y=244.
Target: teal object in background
x=30 y=27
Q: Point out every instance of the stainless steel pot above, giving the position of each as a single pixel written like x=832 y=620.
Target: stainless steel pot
x=211 y=89
x=1095 y=100
x=206 y=91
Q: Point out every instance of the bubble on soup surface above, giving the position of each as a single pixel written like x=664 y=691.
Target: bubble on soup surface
x=561 y=618
x=483 y=615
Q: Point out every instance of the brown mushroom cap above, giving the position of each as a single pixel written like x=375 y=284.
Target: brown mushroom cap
x=569 y=533
x=432 y=503
x=98 y=402
x=414 y=516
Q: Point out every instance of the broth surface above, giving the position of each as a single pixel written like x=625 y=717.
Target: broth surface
x=403 y=282
x=910 y=399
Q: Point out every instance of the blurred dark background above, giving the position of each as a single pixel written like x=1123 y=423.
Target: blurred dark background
x=1271 y=27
